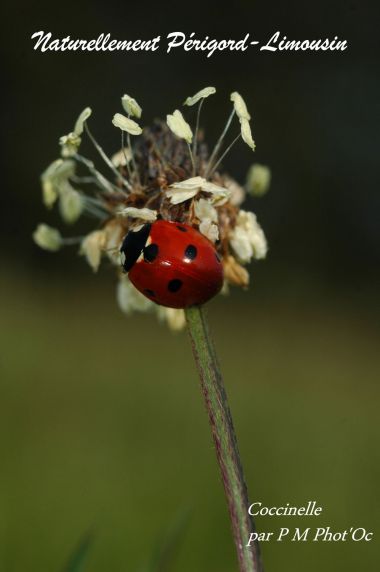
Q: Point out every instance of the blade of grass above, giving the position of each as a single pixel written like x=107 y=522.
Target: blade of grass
x=167 y=548
x=79 y=556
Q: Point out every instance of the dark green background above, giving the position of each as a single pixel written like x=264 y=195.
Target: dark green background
x=101 y=421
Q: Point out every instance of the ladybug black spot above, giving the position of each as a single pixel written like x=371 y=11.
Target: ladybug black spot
x=149 y=292
x=191 y=252
x=150 y=252
x=182 y=228
x=174 y=285
x=218 y=257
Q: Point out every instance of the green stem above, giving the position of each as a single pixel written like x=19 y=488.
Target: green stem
x=223 y=433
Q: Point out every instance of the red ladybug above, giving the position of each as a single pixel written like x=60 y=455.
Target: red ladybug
x=172 y=264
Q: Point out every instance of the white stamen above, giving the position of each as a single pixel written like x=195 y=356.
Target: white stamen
x=179 y=126
x=130 y=106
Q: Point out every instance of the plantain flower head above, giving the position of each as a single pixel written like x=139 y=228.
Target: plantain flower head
x=167 y=174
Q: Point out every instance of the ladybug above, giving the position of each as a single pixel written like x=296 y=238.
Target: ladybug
x=172 y=264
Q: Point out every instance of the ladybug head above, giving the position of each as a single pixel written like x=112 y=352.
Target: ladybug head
x=133 y=244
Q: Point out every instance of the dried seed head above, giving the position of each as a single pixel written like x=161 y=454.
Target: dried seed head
x=160 y=177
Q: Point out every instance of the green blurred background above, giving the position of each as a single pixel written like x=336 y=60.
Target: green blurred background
x=102 y=425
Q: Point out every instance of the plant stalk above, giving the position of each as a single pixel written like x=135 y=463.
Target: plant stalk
x=223 y=433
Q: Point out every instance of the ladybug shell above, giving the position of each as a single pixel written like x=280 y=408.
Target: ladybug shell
x=179 y=267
